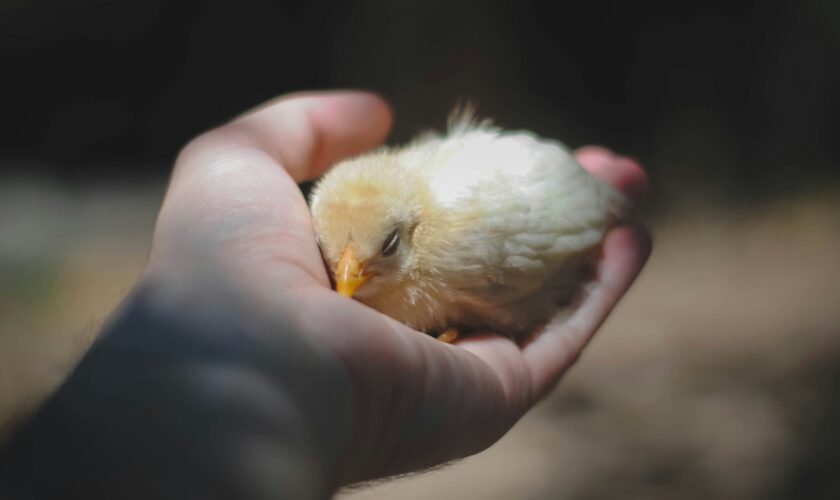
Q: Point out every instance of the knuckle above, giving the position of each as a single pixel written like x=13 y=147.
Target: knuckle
x=215 y=148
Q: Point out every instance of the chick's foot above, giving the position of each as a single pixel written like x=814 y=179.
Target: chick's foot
x=449 y=335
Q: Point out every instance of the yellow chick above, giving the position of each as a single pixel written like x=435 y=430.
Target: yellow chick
x=475 y=228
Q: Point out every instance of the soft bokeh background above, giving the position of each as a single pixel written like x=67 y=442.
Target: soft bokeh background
x=718 y=376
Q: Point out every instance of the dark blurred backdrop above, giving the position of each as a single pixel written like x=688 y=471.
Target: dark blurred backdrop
x=731 y=99
x=717 y=377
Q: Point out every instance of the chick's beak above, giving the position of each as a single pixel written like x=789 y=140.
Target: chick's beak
x=350 y=274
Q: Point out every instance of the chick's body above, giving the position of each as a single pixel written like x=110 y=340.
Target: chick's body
x=493 y=228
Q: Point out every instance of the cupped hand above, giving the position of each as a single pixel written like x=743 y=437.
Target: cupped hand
x=234 y=209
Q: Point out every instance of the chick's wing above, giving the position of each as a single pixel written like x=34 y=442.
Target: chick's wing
x=519 y=209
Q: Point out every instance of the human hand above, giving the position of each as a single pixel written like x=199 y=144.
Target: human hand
x=234 y=209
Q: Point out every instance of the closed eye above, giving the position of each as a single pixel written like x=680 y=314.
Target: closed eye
x=392 y=242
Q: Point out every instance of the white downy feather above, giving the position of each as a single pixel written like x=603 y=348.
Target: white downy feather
x=507 y=221
x=534 y=208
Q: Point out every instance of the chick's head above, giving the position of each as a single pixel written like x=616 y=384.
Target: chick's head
x=366 y=212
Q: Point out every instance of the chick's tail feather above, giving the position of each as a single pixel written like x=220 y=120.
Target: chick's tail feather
x=463 y=118
x=619 y=207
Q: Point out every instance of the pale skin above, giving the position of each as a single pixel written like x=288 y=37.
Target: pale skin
x=363 y=396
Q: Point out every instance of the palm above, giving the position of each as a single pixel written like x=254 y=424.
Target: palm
x=239 y=187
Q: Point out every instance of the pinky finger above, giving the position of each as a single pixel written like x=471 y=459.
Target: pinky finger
x=552 y=352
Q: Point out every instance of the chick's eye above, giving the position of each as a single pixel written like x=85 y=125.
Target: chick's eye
x=391 y=243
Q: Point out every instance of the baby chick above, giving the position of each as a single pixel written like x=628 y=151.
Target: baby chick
x=476 y=228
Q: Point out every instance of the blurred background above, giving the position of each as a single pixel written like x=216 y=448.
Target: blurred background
x=718 y=376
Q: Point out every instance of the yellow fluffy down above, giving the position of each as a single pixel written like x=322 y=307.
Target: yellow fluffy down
x=494 y=228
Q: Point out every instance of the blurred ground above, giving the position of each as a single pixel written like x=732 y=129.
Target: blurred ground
x=716 y=378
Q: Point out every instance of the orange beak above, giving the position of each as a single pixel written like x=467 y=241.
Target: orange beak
x=350 y=274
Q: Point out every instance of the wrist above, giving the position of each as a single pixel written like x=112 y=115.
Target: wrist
x=189 y=394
